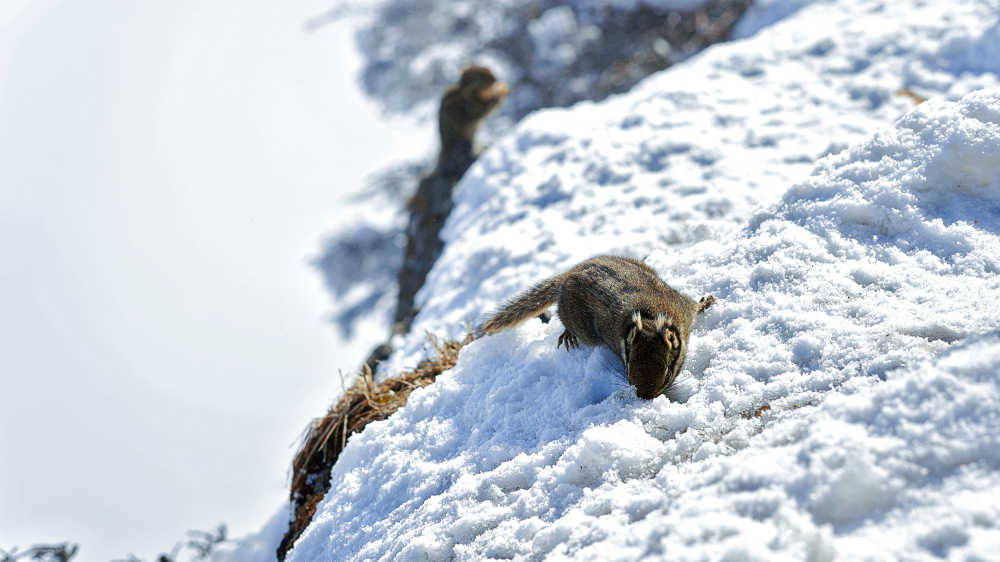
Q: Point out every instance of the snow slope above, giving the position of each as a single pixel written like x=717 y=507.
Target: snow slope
x=834 y=308
x=840 y=399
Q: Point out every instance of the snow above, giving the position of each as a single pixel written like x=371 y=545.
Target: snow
x=259 y=546
x=840 y=400
x=763 y=13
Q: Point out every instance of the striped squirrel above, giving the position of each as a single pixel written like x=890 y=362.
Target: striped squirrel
x=463 y=108
x=619 y=303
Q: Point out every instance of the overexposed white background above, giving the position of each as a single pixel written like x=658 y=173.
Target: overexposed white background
x=166 y=171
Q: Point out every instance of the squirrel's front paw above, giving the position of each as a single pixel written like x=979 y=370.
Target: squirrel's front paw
x=568 y=339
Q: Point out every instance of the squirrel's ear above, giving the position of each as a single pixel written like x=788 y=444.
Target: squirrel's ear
x=637 y=320
x=661 y=322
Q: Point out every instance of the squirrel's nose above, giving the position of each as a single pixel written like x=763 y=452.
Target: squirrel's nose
x=495 y=92
x=645 y=387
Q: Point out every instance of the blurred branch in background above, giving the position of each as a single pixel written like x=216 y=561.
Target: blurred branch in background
x=198 y=546
x=61 y=552
x=551 y=54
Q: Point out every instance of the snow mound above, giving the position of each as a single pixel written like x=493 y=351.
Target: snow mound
x=841 y=397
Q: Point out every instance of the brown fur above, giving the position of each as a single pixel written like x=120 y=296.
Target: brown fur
x=619 y=303
x=464 y=106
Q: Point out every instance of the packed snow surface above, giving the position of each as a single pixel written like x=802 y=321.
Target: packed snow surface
x=840 y=400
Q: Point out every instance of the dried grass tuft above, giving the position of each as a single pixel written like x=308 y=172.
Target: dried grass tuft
x=364 y=402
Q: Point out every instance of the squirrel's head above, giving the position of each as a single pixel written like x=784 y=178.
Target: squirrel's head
x=476 y=94
x=465 y=105
x=653 y=352
x=480 y=89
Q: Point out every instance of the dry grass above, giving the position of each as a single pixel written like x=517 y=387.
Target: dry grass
x=364 y=402
x=916 y=98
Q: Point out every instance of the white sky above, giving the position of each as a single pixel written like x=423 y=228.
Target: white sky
x=166 y=170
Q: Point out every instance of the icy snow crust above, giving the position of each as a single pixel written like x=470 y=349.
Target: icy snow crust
x=840 y=400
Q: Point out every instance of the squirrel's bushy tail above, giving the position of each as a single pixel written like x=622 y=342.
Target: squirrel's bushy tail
x=528 y=304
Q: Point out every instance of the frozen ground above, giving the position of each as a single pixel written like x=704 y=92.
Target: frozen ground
x=839 y=401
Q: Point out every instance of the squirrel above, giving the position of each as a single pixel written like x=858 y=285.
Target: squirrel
x=620 y=303
x=463 y=107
